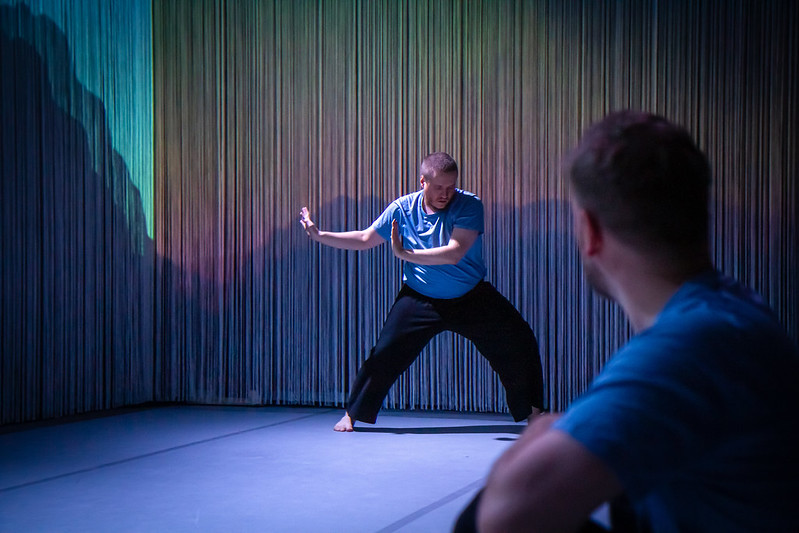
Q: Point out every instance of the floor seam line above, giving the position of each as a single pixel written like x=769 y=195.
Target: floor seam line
x=158 y=452
x=404 y=521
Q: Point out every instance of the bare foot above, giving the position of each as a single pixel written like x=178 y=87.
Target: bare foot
x=536 y=412
x=345 y=424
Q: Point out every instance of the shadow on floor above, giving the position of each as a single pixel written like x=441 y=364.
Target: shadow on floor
x=515 y=429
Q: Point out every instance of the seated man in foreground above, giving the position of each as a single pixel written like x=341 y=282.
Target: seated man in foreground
x=693 y=424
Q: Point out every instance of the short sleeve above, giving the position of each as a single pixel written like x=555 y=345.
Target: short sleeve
x=470 y=214
x=654 y=407
x=382 y=224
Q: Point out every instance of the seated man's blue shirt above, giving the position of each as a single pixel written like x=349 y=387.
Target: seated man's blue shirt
x=697 y=415
x=422 y=231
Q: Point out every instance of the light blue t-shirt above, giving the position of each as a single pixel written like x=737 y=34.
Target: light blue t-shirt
x=422 y=231
x=698 y=415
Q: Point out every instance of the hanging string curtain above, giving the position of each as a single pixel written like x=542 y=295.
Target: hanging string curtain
x=155 y=156
x=333 y=104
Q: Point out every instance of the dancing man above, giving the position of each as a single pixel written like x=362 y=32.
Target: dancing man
x=437 y=231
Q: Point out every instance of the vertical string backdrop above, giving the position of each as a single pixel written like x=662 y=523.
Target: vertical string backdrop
x=252 y=109
x=76 y=259
x=263 y=107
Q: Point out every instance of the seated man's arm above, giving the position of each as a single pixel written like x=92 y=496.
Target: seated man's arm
x=546 y=481
x=449 y=254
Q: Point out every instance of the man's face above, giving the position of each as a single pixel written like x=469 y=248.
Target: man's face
x=438 y=190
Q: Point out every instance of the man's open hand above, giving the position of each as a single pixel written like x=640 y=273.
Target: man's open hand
x=396 y=240
x=308 y=224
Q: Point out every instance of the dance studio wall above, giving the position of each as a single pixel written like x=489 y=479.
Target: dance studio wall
x=199 y=285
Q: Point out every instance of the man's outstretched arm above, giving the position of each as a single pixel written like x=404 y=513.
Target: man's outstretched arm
x=449 y=254
x=347 y=240
x=545 y=482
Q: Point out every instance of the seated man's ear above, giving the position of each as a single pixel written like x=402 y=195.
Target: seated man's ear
x=587 y=231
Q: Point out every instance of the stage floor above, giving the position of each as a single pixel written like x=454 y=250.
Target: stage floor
x=246 y=469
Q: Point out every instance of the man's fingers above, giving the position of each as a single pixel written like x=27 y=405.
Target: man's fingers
x=305 y=218
x=396 y=240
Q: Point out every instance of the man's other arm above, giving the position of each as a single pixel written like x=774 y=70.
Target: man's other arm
x=546 y=482
x=450 y=254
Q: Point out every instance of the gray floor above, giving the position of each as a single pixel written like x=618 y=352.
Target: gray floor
x=239 y=469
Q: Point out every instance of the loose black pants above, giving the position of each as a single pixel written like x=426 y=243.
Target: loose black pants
x=483 y=316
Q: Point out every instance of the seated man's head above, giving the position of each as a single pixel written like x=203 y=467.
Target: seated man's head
x=439 y=173
x=642 y=179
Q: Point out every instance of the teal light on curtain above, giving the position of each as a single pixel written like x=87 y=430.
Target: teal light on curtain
x=76 y=327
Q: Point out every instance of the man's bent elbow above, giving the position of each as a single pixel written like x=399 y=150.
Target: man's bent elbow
x=455 y=255
x=506 y=505
x=495 y=517
x=455 y=260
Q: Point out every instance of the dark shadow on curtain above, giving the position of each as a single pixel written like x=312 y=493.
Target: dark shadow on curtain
x=76 y=333
x=343 y=289
x=262 y=359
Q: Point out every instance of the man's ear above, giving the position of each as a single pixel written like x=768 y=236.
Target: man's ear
x=589 y=232
x=421 y=181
